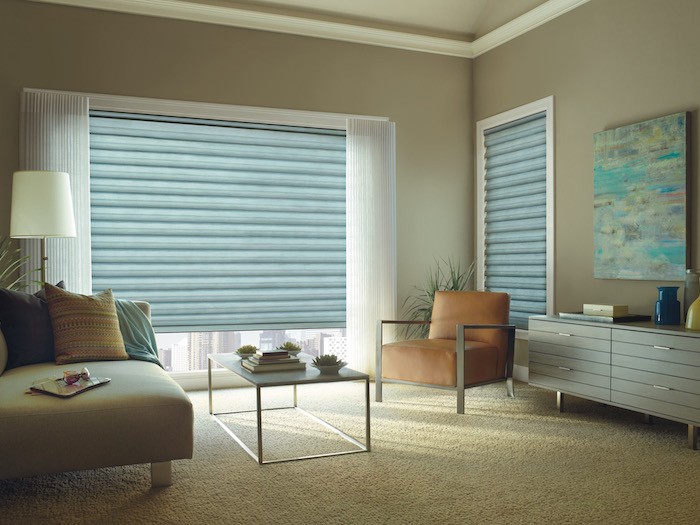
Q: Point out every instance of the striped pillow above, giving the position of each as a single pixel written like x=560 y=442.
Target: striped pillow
x=85 y=327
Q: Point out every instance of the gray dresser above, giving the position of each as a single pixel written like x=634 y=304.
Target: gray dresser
x=638 y=366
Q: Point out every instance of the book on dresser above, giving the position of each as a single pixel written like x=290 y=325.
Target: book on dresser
x=608 y=310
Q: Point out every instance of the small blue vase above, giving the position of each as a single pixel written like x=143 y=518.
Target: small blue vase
x=668 y=307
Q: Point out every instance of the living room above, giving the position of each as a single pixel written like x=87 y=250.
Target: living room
x=606 y=63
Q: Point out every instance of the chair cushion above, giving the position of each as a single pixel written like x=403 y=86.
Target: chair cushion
x=454 y=307
x=85 y=327
x=434 y=362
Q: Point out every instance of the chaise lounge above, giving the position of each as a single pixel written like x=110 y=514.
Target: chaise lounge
x=140 y=416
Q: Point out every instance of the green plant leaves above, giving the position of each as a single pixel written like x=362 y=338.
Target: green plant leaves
x=11 y=263
x=446 y=275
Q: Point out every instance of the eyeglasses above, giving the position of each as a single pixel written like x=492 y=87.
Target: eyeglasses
x=71 y=376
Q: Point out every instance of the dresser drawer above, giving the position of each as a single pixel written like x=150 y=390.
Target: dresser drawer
x=663 y=382
x=565 y=341
x=666 y=368
x=574 y=352
x=570 y=329
x=571 y=374
x=673 y=404
x=567 y=363
x=660 y=341
x=656 y=351
x=568 y=385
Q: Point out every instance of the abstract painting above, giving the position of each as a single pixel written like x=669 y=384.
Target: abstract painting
x=640 y=207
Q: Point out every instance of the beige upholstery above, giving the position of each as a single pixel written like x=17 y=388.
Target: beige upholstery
x=141 y=416
x=487 y=350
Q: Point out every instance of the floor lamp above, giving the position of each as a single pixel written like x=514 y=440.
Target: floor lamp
x=42 y=207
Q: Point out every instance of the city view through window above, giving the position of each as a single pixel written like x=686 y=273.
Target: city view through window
x=187 y=352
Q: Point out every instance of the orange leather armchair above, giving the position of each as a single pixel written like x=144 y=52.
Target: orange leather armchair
x=470 y=343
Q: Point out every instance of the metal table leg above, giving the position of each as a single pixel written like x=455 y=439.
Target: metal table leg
x=211 y=409
x=259 y=415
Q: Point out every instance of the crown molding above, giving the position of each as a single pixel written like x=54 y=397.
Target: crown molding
x=524 y=23
x=249 y=19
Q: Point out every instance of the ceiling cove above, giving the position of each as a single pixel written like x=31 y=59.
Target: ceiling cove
x=280 y=23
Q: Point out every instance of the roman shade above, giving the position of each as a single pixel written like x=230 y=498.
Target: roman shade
x=515 y=194
x=219 y=225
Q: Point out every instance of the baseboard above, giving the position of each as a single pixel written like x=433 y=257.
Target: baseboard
x=521 y=373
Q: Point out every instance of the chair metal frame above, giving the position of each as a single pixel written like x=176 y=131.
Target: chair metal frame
x=459 y=349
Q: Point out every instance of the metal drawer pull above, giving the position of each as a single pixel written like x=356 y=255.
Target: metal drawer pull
x=565 y=335
x=662 y=387
x=564 y=368
x=662 y=347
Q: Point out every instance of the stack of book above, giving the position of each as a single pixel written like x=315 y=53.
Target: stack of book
x=272 y=361
x=605 y=313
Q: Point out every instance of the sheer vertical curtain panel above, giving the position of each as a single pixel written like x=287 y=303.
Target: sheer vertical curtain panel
x=220 y=225
x=54 y=135
x=371 y=235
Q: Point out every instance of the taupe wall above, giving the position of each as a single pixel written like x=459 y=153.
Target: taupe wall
x=608 y=64
x=428 y=96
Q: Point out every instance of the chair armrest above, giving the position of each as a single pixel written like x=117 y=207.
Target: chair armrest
x=479 y=326
x=385 y=321
x=510 y=350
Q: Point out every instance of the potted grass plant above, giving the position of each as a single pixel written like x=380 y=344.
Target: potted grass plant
x=445 y=275
x=291 y=348
x=246 y=351
x=328 y=364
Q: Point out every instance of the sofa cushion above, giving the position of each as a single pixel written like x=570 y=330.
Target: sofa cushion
x=140 y=416
x=26 y=327
x=85 y=327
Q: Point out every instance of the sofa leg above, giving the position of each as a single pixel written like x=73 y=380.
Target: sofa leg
x=161 y=474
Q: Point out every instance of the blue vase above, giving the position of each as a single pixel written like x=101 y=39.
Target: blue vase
x=668 y=307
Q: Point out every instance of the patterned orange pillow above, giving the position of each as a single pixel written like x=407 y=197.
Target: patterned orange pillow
x=85 y=327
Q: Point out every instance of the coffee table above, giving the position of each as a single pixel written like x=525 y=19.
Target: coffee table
x=260 y=380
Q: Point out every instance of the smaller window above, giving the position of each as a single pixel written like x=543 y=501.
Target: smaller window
x=515 y=208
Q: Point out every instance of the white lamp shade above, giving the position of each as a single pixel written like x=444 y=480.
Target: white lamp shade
x=42 y=205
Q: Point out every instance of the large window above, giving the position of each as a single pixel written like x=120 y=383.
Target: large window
x=55 y=131
x=234 y=232
x=515 y=208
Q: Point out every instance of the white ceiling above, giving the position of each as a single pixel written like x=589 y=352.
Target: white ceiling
x=462 y=28
x=465 y=19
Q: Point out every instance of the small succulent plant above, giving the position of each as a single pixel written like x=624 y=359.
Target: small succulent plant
x=327 y=360
x=247 y=350
x=289 y=346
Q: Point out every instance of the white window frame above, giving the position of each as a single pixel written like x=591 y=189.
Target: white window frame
x=105 y=102
x=546 y=105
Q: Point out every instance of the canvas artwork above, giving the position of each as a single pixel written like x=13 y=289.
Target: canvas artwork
x=640 y=200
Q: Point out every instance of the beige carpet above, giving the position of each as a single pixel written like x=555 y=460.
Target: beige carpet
x=505 y=461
